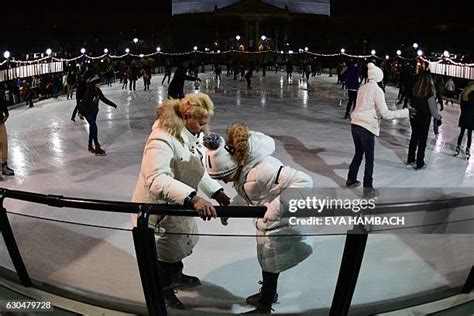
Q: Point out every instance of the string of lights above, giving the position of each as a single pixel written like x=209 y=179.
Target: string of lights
x=305 y=52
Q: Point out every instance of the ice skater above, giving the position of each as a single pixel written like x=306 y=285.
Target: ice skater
x=365 y=125
x=424 y=101
x=172 y=170
x=449 y=89
x=167 y=73
x=176 y=87
x=466 y=118
x=89 y=108
x=245 y=158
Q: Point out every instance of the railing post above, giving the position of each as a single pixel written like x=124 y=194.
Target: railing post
x=12 y=246
x=145 y=249
x=469 y=285
x=354 y=249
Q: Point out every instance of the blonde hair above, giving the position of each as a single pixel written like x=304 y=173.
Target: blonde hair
x=238 y=138
x=171 y=112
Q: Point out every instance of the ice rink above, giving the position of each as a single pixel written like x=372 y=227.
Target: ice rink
x=49 y=155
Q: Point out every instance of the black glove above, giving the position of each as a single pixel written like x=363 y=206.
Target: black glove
x=439 y=122
x=115 y=106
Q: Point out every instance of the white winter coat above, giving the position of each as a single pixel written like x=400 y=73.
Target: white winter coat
x=371 y=107
x=170 y=171
x=261 y=183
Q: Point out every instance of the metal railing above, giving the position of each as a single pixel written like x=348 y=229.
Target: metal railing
x=146 y=253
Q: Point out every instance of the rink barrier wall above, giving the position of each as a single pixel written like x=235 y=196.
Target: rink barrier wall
x=144 y=240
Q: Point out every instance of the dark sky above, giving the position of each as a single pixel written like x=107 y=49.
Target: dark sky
x=422 y=9
x=35 y=23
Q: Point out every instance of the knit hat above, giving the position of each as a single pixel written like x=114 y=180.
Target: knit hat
x=374 y=73
x=219 y=157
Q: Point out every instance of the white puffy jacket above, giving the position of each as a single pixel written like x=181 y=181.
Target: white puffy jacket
x=170 y=171
x=261 y=182
x=371 y=107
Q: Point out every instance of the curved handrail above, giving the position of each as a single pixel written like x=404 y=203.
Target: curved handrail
x=146 y=251
x=128 y=207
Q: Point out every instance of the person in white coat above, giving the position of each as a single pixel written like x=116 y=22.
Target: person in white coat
x=365 y=125
x=245 y=158
x=172 y=171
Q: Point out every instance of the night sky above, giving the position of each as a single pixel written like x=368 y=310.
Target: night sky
x=29 y=26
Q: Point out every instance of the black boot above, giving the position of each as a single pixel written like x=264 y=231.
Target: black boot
x=185 y=281
x=171 y=300
x=91 y=148
x=468 y=153
x=173 y=272
x=7 y=171
x=256 y=298
x=99 y=151
x=267 y=296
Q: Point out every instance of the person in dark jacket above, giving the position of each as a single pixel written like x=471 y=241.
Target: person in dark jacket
x=176 y=87
x=289 y=70
x=6 y=171
x=89 y=108
x=351 y=77
x=407 y=79
x=132 y=77
x=71 y=82
x=466 y=119
x=81 y=89
x=423 y=101
x=167 y=73
x=26 y=94
x=248 y=77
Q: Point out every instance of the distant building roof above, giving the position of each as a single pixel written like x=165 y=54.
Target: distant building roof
x=320 y=7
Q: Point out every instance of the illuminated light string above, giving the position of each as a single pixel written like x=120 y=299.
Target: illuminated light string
x=446 y=59
x=449 y=60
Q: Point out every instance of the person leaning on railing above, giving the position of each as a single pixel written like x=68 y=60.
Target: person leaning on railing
x=245 y=159
x=6 y=171
x=171 y=172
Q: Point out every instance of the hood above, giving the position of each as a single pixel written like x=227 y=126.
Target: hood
x=261 y=146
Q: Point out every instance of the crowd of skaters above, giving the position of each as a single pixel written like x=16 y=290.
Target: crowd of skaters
x=178 y=132
x=351 y=74
x=423 y=96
